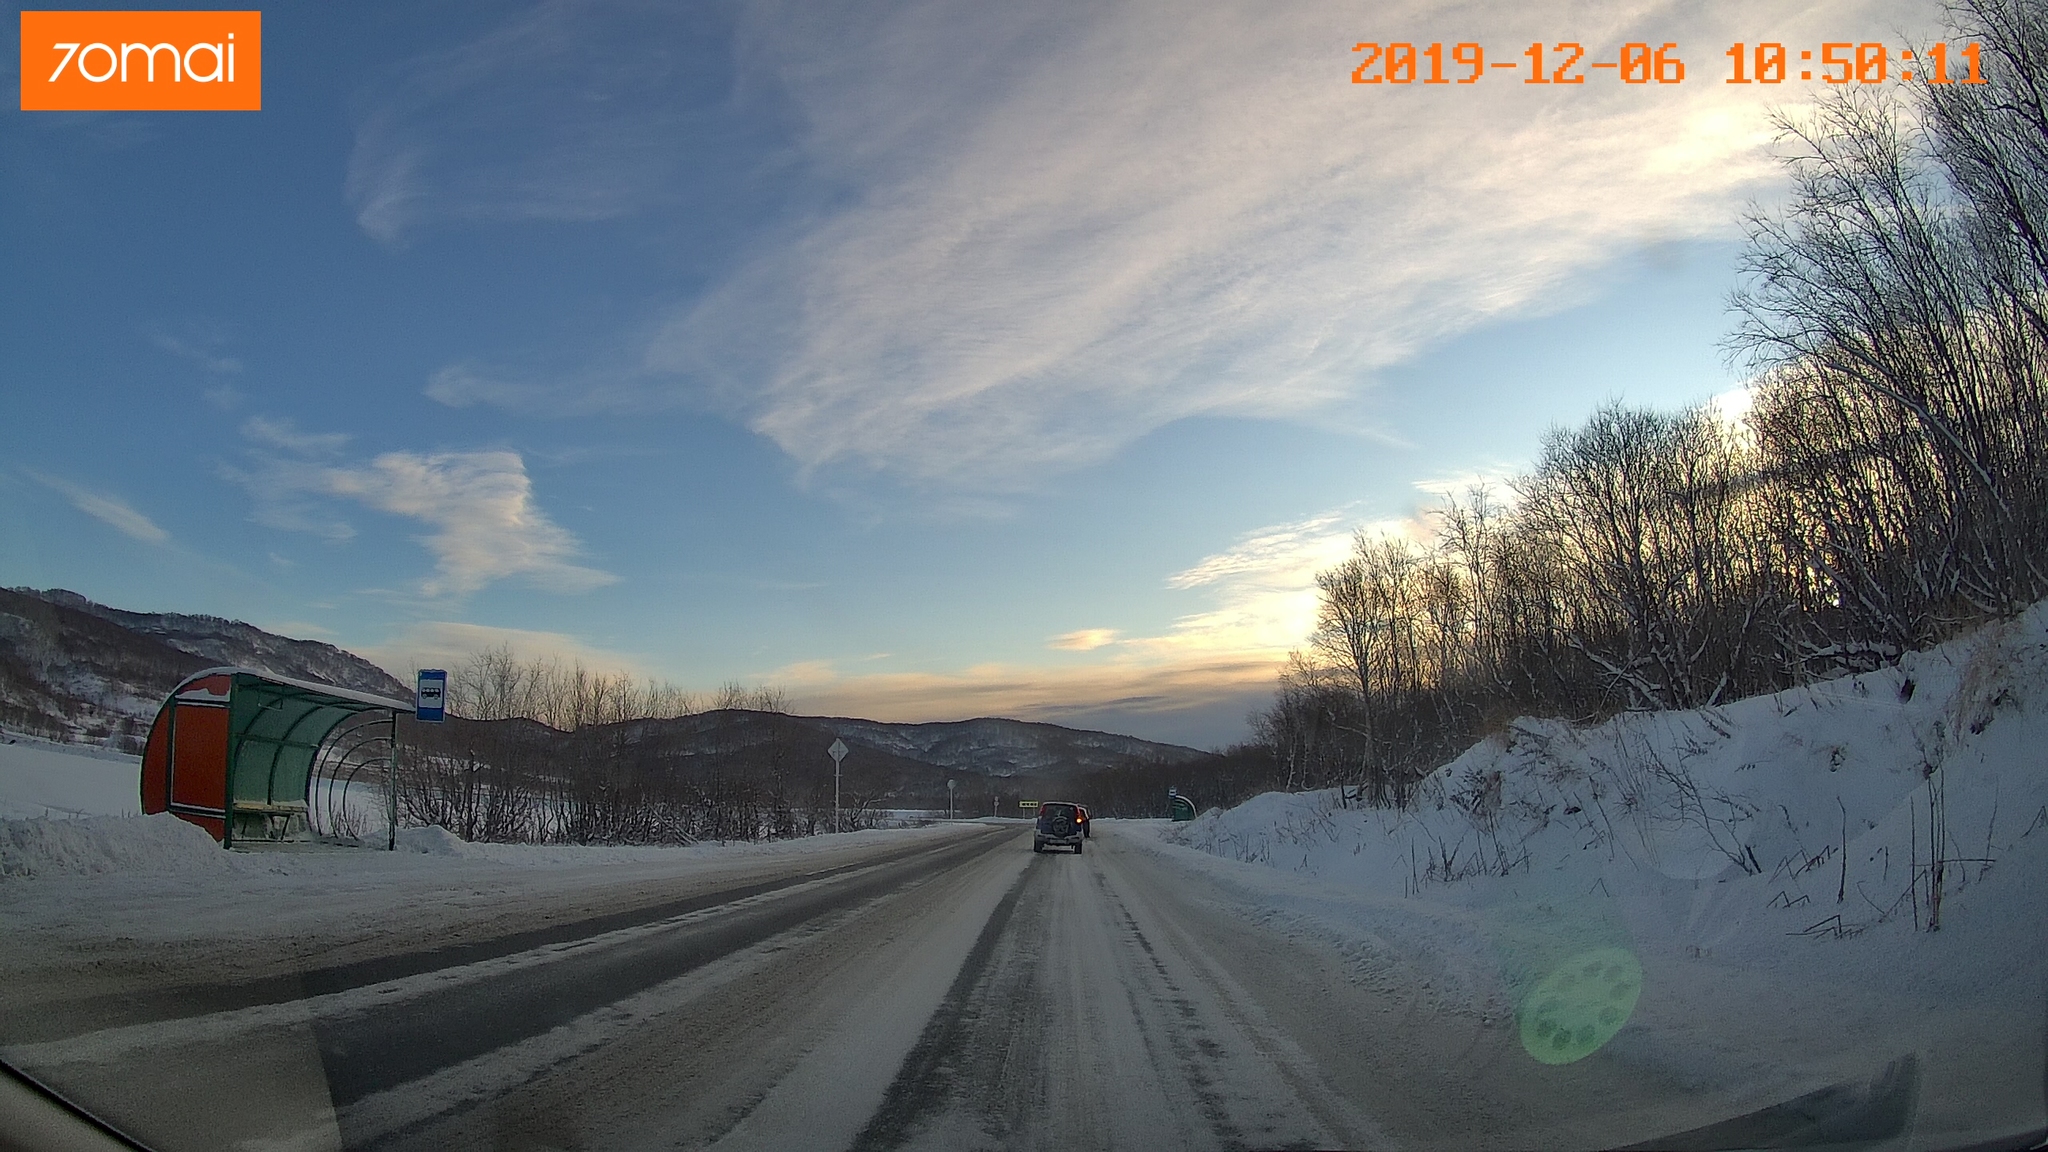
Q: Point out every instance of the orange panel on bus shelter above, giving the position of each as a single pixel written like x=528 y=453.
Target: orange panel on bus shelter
x=185 y=762
x=199 y=768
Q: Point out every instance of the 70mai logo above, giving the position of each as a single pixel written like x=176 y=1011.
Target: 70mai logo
x=141 y=61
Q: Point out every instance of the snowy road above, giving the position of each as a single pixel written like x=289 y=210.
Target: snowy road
x=942 y=991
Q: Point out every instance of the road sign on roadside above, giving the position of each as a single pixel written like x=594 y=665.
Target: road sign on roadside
x=838 y=752
x=430 y=700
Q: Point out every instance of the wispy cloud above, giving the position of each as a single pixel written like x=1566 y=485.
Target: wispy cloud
x=447 y=643
x=195 y=351
x=286 y=435
x=487 y=525
x=572 y=110
x=1074 y=230
x=465 y=385
x=108 y=509
x=1057 y=227
x=804 y=674
x=1492 y=481
x=1030 y=693
x=1218 y=662
x=1083 y=640
x=1262 y=590
x=593 y=389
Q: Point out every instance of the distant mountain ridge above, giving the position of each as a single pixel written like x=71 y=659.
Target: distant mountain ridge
x=232 y=642
x=989 y=747
x=997 y=747
x=74 y=669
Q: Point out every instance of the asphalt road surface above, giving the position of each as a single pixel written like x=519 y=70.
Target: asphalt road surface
x=957 y=991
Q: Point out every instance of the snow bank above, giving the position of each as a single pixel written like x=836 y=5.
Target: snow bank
x=1829 y=797
x=432 y=840
x=91 y=845
x=43 y=783
x=43 y=779
x=1774 y=865
x=440 y=842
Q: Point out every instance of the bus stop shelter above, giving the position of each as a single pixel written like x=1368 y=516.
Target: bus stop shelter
x=236 y=750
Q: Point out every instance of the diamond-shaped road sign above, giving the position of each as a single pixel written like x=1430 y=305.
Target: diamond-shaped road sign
x=837 y=751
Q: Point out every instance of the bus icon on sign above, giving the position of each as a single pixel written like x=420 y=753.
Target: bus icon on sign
x=430 y=703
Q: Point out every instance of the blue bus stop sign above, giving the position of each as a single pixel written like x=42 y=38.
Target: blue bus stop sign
x=431 y=702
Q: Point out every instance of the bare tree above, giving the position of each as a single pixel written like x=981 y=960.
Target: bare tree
x=1886 y=486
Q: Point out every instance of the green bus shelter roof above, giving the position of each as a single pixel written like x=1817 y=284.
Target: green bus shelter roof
x=275 y=728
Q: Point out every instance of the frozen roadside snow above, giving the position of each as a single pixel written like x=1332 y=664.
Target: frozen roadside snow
x=435 y=841
x=38 y=778
x=73 y=810
x=163 y=845
x=44 y=784
x=432 y=840
x=91 y=845
x=159 y=887
x=1805 y=805
x=1769 y=863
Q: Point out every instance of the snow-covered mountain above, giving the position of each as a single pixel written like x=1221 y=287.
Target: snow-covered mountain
x=991 y=746
x=904 y=759
x=231 y=642
x=72 y=669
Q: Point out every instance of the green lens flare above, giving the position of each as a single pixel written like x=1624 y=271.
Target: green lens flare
x=1580 y=1004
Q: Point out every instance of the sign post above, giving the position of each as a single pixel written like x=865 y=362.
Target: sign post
x=430 y=703
x=429 y=706
x=838 y=752
x=950 y=786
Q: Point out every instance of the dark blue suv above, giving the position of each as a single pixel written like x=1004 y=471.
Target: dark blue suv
x=1059 y=823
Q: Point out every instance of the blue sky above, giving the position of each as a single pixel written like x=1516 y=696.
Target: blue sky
x=926 y=360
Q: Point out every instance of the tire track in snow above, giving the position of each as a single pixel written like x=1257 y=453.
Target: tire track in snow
x=927 y=1076
x=368 y=1052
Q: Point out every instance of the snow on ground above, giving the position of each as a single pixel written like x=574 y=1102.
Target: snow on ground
x=156 y=887
x=165 y=845
x=38 y=778
x=50 y=795
x=1737 y=898
x=89 y=845
x=76 y=859
x=1741 y=882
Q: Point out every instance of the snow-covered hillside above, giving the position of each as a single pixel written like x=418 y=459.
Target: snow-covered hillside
x=1824 y=801
x=1851 y=871
x=87 y=673
x=233 y=643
